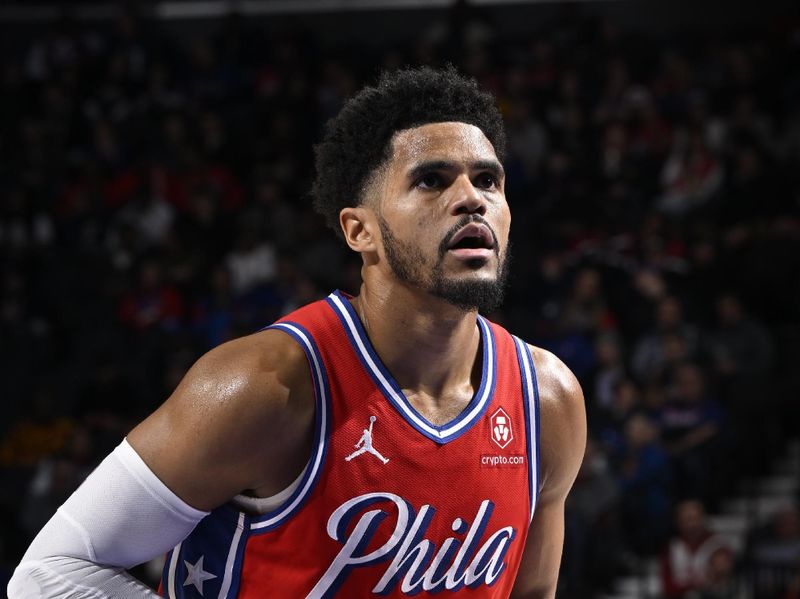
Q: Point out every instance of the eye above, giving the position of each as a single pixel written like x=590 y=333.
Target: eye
x=486 y=181
x=429 y=181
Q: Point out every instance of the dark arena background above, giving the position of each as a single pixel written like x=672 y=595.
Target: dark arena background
x=155 y=166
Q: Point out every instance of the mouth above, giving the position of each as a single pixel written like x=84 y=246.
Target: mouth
x=475 y=240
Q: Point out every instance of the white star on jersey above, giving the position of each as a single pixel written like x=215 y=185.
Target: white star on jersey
x=196 y=575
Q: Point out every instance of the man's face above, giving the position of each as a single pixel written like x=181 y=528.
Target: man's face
x=443 y=214
x=690 y=517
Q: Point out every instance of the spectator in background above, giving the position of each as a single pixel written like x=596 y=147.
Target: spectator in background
x=742 y=356
x=686 y=560
x=203 y=232
x=252 y=262
x=154 y=303
x=585 y=309
x=690 y=176
x=721 y=577
x=754 y=188
x=610 y=423
x=152 y=317
x=527 y=137
x=149 y=213
x=214 y=311
x=676 y=353
x=594 y=545
x=741 y=345
x=542 y=287
x=650 y=360
x=774 y=552
x=609 y=370
x=692 y=426
x=585 y=314
x=645 y=478
x=271 y=212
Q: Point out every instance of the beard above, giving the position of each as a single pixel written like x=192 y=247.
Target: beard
x=409 y=265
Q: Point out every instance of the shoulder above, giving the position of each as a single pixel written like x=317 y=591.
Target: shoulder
x=253 y=373
x=242 y=406
x=257 y=376
x=563 y=422
x=556 y=378
x=250 y=363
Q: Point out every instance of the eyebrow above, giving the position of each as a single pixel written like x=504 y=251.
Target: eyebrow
x=428 y=166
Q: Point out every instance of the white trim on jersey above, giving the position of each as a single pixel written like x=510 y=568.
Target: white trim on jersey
x=231 y=561
x=173 y=565
x=530 y=408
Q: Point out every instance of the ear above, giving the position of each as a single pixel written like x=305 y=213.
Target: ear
x=358 y=227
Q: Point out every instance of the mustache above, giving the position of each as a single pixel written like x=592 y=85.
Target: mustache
x=463 y=222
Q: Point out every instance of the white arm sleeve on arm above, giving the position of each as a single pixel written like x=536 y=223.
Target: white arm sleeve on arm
x=122 y=515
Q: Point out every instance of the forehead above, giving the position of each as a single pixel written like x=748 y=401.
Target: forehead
x=451 y=141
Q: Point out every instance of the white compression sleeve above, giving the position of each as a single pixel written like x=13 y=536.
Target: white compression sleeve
x=122 y=515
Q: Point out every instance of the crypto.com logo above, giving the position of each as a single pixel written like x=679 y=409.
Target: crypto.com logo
x=502 y=433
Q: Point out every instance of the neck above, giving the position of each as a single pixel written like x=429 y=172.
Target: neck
x=428 y=345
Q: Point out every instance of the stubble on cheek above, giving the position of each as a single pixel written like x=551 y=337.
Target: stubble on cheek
x=405 y=259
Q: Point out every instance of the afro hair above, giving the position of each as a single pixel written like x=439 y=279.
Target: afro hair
x=358 y=140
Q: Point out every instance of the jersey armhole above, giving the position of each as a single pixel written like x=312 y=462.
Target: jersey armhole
x=257 y=506
x=530 y=396
x=293 y=497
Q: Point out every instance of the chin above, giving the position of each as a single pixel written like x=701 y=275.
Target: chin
x=483 y=293
x=475 y=283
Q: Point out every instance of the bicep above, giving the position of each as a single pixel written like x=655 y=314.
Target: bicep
x=187 y=452
x=183 y=443
x=232 y=413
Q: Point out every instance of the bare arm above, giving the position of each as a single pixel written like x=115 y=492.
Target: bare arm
x=562 y=445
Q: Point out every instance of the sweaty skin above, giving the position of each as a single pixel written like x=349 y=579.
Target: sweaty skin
x=241 y=420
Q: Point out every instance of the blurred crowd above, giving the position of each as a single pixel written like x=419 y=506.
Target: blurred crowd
x=154 y=191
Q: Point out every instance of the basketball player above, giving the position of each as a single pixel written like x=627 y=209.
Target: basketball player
x=467 y=439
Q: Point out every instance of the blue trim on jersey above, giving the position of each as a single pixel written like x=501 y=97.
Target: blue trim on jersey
x=526 y=411
x=391 y=390
x=322 y=426
x=530 y=394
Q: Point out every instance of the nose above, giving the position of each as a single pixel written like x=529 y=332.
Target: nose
x=468 y=199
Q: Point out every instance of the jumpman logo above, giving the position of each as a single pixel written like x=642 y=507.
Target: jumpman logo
x=364 y=444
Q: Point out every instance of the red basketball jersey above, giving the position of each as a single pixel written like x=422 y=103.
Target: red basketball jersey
x=389 y=504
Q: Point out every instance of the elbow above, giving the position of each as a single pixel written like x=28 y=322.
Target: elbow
x=24 y=583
